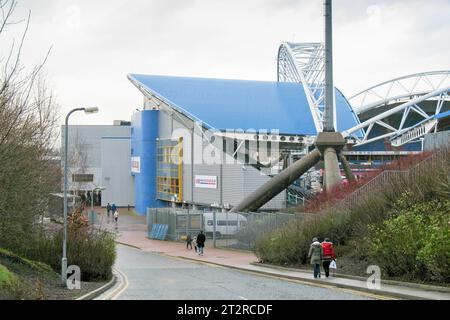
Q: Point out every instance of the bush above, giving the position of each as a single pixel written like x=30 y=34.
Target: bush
x=350 y=225
x=290 y=243
x=415 y=241
x=92 y=250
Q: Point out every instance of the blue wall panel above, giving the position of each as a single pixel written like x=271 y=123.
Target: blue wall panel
x=143 y=143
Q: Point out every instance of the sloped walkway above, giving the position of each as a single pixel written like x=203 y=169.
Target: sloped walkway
x=132 y=231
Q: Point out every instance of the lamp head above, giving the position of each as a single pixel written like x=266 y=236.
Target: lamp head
x=91 y=110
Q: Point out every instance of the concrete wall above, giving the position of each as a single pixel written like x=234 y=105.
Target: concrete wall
x=253 y=179
x=88 y=139
x=116 y=176
x=234 y=180
x=436 y=140
x=233 y=186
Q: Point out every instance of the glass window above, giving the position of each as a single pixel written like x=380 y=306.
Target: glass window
x=169 y=170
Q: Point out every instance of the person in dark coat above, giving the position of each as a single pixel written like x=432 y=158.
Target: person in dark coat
x=328 y=255
x=108 y=210
x=189 y=242
x=201 y=243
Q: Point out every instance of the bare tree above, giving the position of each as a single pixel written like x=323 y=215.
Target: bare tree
x=77 y=161
x=28 y=119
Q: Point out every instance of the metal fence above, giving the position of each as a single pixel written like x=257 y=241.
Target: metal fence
x=222 y=229
x=387 y=177
x=180 y=222
x=257 y=224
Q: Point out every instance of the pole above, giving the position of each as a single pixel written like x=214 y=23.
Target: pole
x=187 y=221
x=214 y=228
x=66 y=143
x=92 y=206
x=328 y=125
x=64 y=258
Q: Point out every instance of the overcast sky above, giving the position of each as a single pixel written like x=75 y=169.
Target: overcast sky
x=97 y=43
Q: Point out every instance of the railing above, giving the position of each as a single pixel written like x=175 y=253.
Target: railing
x=414 y=133
x=294 y=199
x=393 y=176
x=233 y=230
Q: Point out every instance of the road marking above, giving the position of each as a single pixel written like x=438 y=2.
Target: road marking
x=243 y=298
x=122 y=287
x=125 y=286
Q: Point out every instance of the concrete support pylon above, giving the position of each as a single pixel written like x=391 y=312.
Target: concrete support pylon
x=346 y=167
x=330 y=145
x=285 y=161
x=281 y=181
x=332 y=172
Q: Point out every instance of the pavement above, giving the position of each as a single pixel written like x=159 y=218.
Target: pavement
x=132 y=231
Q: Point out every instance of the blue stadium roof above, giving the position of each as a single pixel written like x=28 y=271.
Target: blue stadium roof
x=242 y=104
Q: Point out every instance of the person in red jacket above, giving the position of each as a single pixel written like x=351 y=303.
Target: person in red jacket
x=328 y=255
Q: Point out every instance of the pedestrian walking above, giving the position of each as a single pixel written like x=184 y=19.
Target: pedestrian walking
x=189 y=242
x=201 y=243
x=113 y=208
x=194 y=243
x=116 y=217
x=108 y=210
x=328 y=255
x=316 y=255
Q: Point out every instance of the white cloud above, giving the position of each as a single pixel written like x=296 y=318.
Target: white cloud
x=96 y=43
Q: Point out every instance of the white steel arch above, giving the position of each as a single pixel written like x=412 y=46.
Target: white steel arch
x=399 y=89
x=304 y=63
x=400 y=134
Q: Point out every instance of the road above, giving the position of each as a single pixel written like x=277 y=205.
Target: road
x=154 y=276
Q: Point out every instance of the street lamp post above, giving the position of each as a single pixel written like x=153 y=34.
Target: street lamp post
x=66 y=142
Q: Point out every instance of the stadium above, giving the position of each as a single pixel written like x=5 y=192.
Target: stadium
x=209 y=143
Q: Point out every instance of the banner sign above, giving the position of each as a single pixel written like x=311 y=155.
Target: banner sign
x=136 y=164
x=207 y=182
x=81 y=177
